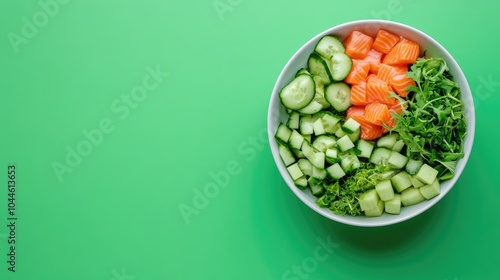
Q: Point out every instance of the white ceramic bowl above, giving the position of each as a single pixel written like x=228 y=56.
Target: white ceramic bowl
x=277 y=114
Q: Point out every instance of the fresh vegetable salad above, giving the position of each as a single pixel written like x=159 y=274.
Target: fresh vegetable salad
x=373 y=125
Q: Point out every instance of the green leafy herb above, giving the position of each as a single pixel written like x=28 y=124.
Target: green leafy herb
x=433 y=124
x=341 y=196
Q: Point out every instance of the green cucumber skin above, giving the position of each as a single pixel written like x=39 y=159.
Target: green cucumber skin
x=339 y=96
x=286 y=94
x=341 y=66
x=333 y=45
x=325 y=74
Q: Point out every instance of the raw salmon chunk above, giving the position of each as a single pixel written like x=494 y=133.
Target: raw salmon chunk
x=403 y=53
x=377 y=113
x=358 y=44
x=355 y=111
x=369 y=131
x=358 y=73
x=378 y=91
x=385 y=41
x=358 y=94
x=375 y=59
x=400 y=82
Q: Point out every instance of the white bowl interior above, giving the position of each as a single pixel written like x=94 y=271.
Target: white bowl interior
x=277 y=114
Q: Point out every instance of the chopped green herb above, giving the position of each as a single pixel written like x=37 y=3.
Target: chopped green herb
x=433 y=125
x=341 y=196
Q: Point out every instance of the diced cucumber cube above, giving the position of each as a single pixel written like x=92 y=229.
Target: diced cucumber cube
x=335 y=171
x=387 y=175
x=346 y=162
x=306 y=166
x=413 y=165
x=296 y=140
x=355 y=163
x=355 y=135
x=307 y=137
x=332 y=153
x=332 y=160
x=427 y=174
x=368 y=200
x=306 y=125
x=318 y=127
x=314 y=181
x=295 y=171
x=294 y=120
x=365 y=147
x=301 y=183
x=332 y=156
x=319 y=160
x=283 y=133
x=380 y=156
x=307 y=149
x=416 y=182
x=280 y=142
x=330 y=123
x=318 y=173
x=397 y=160
x=401 y=181
x=333 y=129
x=340 y=133
x=286 y=155
x=377 y=211
x=318 y=115
x=432 y=190
x=298 y=153
x=388 y=140
x=411 y=196
x=317 y=190
x=316 y=158
x=316 y=187
x=384 y=190
x=393 y=206
x=345 y=143
x=350 y=126
x=324 y=142
x=398 y=146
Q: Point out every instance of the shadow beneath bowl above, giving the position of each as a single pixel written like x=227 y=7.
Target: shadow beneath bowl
x=388 y=240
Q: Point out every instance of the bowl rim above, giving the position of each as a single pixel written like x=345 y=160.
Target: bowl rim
x=452 y=64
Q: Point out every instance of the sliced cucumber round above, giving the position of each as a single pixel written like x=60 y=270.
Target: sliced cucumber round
x=338 y=95
x=328 y=45
x=320 y=67
x=302 y=71
x=341 y=66
x=312 y=108
x=320 y=91
x=298 y=93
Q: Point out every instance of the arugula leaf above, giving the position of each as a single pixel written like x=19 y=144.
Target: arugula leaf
x=433 y=125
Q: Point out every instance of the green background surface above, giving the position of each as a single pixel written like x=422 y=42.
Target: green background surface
x=115 y=213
